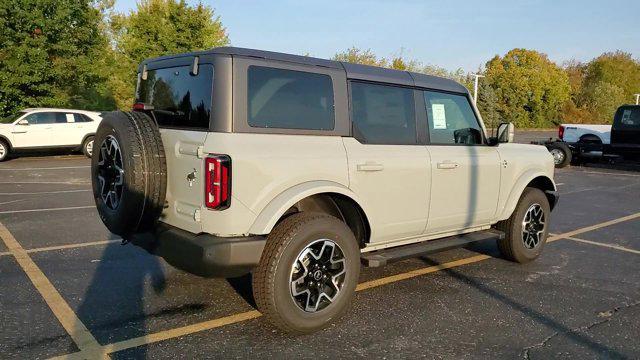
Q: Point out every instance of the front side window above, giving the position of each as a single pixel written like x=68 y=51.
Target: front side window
x=451 y=119
x=42 y=118
x=287 y=99
x=179 y=98
x=383 y=114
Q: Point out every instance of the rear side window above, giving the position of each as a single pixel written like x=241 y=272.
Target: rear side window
x=81 y=118
x=46 y=118
x=451 y=119
x=179 y=99
x=629 y=118
x=287 y=99
x=383 y=114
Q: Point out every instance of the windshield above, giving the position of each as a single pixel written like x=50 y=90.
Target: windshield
x=12 y=118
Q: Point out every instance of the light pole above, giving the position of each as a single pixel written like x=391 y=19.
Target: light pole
x=637 y=99
x=475 y=87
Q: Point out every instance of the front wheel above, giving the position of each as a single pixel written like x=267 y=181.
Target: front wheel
x=308 y=272
x=527 y=229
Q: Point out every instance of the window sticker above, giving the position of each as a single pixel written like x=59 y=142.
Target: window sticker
x=439 y=117
x=626 y=117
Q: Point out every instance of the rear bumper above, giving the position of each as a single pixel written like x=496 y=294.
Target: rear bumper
x=203 y=254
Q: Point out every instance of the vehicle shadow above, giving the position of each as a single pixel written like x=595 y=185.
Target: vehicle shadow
x=115 y=297
x=574 y=335
x=243 y=287
x=620 y=165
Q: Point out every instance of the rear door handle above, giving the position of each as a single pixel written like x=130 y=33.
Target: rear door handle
x=370 y=166
x=448 y=165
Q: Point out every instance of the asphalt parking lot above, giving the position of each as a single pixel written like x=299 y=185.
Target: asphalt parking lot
x=68 y=288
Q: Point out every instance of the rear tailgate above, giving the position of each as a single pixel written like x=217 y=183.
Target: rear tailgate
x=185 y=175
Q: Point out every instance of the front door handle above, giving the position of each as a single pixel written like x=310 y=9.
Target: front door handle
x=448 y=165
x=370 y=166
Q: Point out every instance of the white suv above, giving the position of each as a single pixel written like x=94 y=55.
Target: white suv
x=44 y=128
x=299 y=170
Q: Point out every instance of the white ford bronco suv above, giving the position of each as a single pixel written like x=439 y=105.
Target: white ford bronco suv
x=300 y=170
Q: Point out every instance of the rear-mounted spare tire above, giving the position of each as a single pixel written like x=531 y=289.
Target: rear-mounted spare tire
x=128 y=172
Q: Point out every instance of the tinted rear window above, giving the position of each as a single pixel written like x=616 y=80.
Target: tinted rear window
x=383 y=114
x=628 y=117
x=179 y=99
x=288 y=99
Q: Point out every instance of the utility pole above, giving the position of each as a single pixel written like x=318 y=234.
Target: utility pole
x=475 y=87
x=637 y=99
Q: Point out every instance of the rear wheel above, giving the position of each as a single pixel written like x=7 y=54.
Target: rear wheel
x=4 y=150
x=561 y=154
x=527 y=229
x=129 y=172
x=87 y=146
x=308 y=272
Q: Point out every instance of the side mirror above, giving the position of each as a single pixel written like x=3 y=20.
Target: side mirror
x=505 y=132
x=23 y=122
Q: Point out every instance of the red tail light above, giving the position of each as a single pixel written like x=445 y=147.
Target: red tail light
x=560 y=132
x=217 y=194
x=142 y=107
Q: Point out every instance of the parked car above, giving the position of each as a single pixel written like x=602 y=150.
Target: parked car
x=43 y=128
x=299 y=169
x=580 y=142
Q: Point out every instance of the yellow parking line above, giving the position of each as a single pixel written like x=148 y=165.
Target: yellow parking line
x=240 y=317
x=594 y=227
x=63 y=312
x=67 y=246
x=617 y=247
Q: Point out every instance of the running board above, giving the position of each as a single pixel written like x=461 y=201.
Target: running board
x=385 y=256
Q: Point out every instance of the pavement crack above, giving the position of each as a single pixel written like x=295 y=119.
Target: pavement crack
x=603 y=317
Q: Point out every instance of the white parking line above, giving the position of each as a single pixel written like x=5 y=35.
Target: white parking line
x=11 y=202
x=49 y=209
x=45 y=192
x=607 y=173
x=617 y=247
x=46 y=168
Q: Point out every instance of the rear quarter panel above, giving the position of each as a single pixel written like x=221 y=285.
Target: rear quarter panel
x=265 y=166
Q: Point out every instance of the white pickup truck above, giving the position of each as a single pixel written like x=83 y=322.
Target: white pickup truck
x=573 y=133
x=581 y=141
x=577 y=141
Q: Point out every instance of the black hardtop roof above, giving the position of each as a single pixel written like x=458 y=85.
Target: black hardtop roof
x=353 y=71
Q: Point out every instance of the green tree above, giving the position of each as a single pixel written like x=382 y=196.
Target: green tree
x=359 y=56
x=530 y=89
x=156 y=28
x=610 y=80
x=50 y=55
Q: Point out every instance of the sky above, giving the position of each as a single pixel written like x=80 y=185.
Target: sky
x=449 y=34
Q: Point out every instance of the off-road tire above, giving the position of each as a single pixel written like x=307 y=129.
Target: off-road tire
x=566 y=151
x=271 y=278
x=512 y=246
x=4 y=154
x=85 y=144
x=145 y=172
